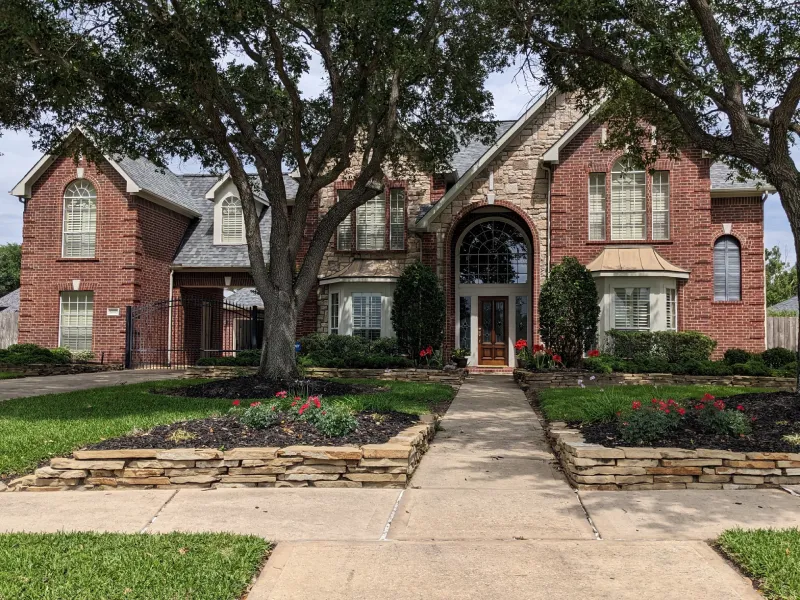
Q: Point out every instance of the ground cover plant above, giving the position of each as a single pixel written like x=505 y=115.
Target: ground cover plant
x=770 y=556
x=35 y=429
x=91 y=566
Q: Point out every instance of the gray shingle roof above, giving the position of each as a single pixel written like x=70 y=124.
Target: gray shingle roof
x=790 y=304
x=468 y=155
x=725 y=178
x=246 y=297
x=161 y=182
x=10 y=301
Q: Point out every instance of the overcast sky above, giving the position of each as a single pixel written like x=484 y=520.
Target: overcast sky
x=511 y=98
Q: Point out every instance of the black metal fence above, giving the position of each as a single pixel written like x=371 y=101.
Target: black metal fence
x=177 y=333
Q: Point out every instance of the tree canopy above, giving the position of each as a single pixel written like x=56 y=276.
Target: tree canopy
x=10 y=264
x=781 y=277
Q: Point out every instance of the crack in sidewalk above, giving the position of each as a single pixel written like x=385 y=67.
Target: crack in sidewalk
x=597 y=535
x=158 y=512
x=391 y=517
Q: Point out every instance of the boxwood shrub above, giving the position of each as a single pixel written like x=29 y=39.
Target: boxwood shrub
x=31 y=354
x=672 y=346
x=350 y=352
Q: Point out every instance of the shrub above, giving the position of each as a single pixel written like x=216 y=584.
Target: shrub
x=713 y=417
x=335 y=420
x=31 y=354
x=418 y=310
x=537 y=359
x=258 y=415
x=569 y=311
x=243 y=358
x=736 y=356
x=755 y=367
x=647 y=423
x=80 y=356
x=672 y=346
x=778 y=358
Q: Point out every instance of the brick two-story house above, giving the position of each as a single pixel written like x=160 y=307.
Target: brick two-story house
x=676 y=247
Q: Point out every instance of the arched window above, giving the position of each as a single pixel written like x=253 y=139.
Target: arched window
x=727 y=269
x=232 y=221
x=493 y=252
x=80 y=220
x=628 y=208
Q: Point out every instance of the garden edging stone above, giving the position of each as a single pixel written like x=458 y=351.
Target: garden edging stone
x=371 y=465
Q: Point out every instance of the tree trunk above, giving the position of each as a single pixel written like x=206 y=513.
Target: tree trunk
x=278 y=357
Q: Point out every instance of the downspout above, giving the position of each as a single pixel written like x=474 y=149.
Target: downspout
x=169 y=325
x=547 y=251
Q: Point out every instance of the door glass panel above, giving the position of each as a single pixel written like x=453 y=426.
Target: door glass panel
x=486 y=307
x=521 y=313
x=465 y=316
x=499 y=321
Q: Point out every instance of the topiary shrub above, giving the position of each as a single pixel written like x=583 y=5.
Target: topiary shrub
x=569 y=311
x=736 y=356
x=778 y=358
x=418 y=310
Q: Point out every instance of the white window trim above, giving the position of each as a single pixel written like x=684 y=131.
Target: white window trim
x=617 y=170
x=629 y=291
x=394 y=244
x=673 y=325
x=376 y=226
x=589 y=207
x=346 y=226
x=369 y=298
x=61 y=317
x=89 y=231
x=337 y=314
x=665 y=211
x=219 y=238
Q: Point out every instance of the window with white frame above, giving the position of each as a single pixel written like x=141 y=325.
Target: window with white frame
x=367 y=315
x=597 y=206
x=628 y=204
x=333 y=322
x=80 y=220
x=397 y=219
x=632 y=308
x=344 y=232
x=232 y=227
x=672 y=309
x=371 y=224
x=76 y=320
x=727 y=269
x=660 y=195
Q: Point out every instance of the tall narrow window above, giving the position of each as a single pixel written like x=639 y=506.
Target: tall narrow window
x=465 y=322
x=367 y=316
x=232 y=221
x=597 y=206
x=76 y=320
x=521 y=314
x=661 y=205
x=632 y=308
x=80 y=220
x=397 y=219
x=371 y=224
x=334 y=314
x=628 y=213
x=672 y=309
x=344 y=232
x=727 y=269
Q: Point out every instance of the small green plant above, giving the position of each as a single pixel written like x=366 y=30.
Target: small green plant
x=335 y=420
x=778 y=358
x=459 y=353
x=714 y=418
x=648 y=423
x=792 y=438
x=181 y=435
x=736 y=356
x=82 y=356
x=257 y=415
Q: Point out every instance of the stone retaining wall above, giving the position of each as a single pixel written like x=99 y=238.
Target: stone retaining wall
x=386 y=465
x=595 y=467
x=560 y=379
x=452 y=378
x=65 y=369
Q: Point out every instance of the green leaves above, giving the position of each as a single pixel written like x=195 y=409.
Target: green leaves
x=418 y=310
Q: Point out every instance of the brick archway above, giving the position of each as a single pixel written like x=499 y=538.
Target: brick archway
x=460 y=223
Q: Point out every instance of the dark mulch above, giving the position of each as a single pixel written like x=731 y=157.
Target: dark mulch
x=258 y=387
x=776 y=414
x=227 y=432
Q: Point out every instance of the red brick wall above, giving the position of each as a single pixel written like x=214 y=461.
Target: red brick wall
x=158 y=236
x=696 y=222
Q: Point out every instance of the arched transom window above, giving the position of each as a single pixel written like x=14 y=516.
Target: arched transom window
x=628 y=205
x=232 y=221
x=80 y=220
x=493 y=252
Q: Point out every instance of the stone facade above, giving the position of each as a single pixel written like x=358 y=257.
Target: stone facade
x=388 y=465
x=564 y=379
x=595 y=467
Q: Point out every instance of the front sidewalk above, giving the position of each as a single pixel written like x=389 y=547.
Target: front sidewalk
x=486 y=515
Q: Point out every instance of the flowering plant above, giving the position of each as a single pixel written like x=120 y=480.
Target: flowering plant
x=257 y=415
x=593 y=353
x=715 y=418
x=649 y=422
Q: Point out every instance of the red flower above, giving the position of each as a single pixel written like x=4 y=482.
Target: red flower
x=707 y=398
x=237 y=402
x=295 y=403
x=520 y=344
x=281 y=394
x=538 y=347
x=557 y=358
x=594 y=353
x=636 y=405
x=654 y=401
x=681 y=411
x=315 y=400
x=297 y=398
x=429 y=350
x=303 y=408
x=422 y=353
x=255 y=404
x=740 y=408
x=699 y=407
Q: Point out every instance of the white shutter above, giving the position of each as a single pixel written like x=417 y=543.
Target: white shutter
x=344 y=232
x=359 y=311
x=371 y=224
x=397 y=219
x=367 y=315
x=80 y=220
x=661 y=205
x=672 y=309
x=727 y=269
x=77 y=309
x=632 y=308
x=232 y=221
x=628 y=214
x=597 y=206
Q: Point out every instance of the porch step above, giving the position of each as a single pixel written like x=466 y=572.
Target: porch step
x=479 y=370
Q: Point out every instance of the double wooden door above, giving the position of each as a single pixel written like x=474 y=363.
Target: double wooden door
x=493 y=330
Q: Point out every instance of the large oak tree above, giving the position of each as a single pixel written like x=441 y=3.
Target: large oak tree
x=221 y=81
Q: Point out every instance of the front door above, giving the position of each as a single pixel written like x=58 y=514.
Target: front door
x=493 y=330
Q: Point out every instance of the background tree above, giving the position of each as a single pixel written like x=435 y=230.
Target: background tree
x=221 y=82
x=10 y=262
x=418 y=310
x=569 y=310
x=721 y=76
x=781 y=277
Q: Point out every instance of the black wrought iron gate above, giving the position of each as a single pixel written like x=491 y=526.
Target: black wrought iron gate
x=177 y=333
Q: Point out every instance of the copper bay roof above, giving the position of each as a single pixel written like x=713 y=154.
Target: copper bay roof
x=634 y=260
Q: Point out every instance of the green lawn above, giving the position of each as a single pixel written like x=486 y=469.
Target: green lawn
x=110 y=566
x=769 y=556
x=6 y=375
x=595 y=403
x=35 y=429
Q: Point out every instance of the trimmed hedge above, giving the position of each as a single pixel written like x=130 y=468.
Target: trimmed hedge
x=243 y=358
x=671 y=346
x=31 y=354
x=350 y=352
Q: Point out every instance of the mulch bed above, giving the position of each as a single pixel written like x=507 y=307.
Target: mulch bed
x=258 y=387
x=777 y=414
x=227 y=432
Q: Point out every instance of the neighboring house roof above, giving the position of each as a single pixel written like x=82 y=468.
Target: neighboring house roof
x=618 y=261
x=367 y=271
x=10 y=301
x=161 y=182
x=790 y=304
x=471 y=152
x=246 y=297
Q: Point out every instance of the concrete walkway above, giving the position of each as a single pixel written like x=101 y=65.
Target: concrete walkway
x=487 y=515
x=56 y=384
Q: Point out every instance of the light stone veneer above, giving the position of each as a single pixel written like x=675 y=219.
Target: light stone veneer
x=386 y=465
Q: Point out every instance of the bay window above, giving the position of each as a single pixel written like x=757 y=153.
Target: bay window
x=632 y=308
x=367 y=315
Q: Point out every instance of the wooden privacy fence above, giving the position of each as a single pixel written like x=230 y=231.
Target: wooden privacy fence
x=782 y=332
x=9 y=326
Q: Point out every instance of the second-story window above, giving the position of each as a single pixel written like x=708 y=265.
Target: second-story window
x=628 y=205
x=660 y=205
x=80 y=220
x=344 y=232
x=597 y=206
x=232 y=221
x=377 y=225
x=397 y=219
x=371 y=224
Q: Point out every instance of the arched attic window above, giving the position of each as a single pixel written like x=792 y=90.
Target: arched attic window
x=232 y=221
